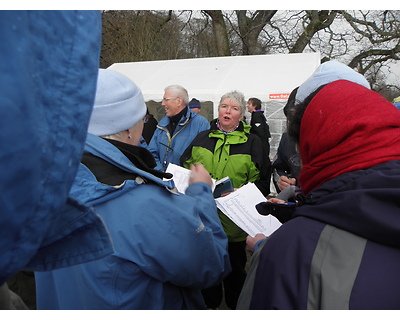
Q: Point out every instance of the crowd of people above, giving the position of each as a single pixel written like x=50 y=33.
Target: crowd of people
x=102 y=225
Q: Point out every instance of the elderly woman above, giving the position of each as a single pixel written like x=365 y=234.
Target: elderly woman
x=228 y=149
x=341 y=248
x=167 y=245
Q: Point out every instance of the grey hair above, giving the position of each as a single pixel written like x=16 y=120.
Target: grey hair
x=179 y=92
x=114 y=136
x=237 y=97
x=120 y=135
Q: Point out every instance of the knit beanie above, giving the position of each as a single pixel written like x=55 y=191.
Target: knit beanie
x=194 y=103
x=118 y=105
x=326 y=73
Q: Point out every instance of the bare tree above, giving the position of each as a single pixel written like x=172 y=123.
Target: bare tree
x=250 y=28
x=313 y=22
x=199 y=35
x=381 y=31
x=366 y=40
x=140 y=35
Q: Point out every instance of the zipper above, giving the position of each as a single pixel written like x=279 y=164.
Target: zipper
x=171 y=138
x=220 y=154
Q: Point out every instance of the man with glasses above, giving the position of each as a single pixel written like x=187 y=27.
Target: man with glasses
x=176 y=129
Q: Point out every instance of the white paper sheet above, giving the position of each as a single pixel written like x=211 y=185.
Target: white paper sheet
x=181 y=177
x=240 y=207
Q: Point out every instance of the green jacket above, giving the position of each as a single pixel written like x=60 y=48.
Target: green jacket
x=238 y=155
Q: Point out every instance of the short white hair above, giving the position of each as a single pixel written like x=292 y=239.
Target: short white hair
x=237 y=97
x=179 y=92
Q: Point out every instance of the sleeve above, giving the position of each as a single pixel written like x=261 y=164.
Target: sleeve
x=263 y=164
x=153 y=147
x=247 y=290
x=203 y=260
x=204 y=125
x=280 y=164
x=267 y=132
x=260 y=128
x=187 y=156
x=50 y=62
x=183 y=244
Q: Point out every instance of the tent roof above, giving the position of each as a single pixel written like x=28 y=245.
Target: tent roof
x=207 y=79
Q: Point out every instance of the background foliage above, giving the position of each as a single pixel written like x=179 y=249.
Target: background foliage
x=368 y=41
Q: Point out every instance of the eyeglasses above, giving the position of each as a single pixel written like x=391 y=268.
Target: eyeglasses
x=167 y=99
x=145 y=119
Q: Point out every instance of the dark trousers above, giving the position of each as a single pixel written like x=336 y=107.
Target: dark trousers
x=23 y=284
x=232 y=285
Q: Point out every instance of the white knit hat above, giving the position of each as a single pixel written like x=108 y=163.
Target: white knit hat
x=118 y=105
x=328 y=72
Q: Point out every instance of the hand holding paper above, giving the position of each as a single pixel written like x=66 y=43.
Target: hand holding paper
x=240 y=207
x=181 y=177
x=199 y=174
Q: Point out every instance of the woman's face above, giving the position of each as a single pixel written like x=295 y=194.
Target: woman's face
x=229 y=114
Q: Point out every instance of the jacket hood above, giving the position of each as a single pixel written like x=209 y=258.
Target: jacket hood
x=48 y=88
x=86 y=188
x=364 y=202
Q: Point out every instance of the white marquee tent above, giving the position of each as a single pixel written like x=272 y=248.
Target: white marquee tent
x=266 y=77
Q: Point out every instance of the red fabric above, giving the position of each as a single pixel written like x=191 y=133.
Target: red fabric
x=346 y=127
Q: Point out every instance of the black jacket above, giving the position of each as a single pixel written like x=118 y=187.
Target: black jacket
x=260 y=128
x=287 y=162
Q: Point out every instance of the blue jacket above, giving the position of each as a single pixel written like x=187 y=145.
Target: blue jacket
x=167 y=149
x=340 y=251
x=168 y=246
x=48 y=81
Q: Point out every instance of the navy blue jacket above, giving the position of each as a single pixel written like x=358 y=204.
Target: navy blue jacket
x=340 y=251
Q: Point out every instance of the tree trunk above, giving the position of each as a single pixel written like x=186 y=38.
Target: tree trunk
x=318 y=21
x=250 y=28
x=220 y=33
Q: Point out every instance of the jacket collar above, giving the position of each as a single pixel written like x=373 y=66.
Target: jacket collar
x=241 y=128
x=237 y=136
x=187 y=116
x=108 y=152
